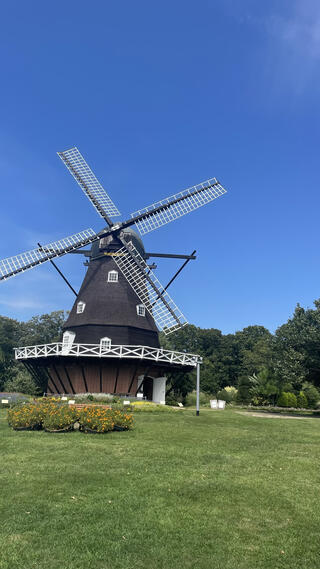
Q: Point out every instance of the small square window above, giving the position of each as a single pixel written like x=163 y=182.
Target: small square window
x=105 y=344
x=112 y=276
x=80 y=307
x=141 y=310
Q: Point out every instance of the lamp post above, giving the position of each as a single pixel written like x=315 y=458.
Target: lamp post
x=198 y=389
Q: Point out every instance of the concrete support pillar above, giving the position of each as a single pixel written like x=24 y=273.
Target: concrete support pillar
x=159 y=390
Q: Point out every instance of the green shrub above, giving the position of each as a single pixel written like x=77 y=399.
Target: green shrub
x=122 y=407
x=312 y=395
x=244 y=387
x=287 y=399
x=259 y=401
x=232 y=391
x=60 y=418
x=302 y=401
x=283 y=400
x=292 y=400
x=191 y=399
x=93 y=397
x=22 y=382
x=173 y=399
x=227 y=394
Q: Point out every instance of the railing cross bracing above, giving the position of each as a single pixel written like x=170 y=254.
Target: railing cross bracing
x=114 y=351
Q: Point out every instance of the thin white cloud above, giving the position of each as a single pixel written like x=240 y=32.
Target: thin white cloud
x=289 y=49
x=300 y=31
x=293 y=51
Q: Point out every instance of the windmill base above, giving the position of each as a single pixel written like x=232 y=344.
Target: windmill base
x=121 y=370
x=71 y=376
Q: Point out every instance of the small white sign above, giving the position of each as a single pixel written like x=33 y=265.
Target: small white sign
x=214 y=403
x=5 y=401
x=64 y=398
x=140 y=395
x=221 y=404
x=180 y=405
x=71 y=402
x=126 y=402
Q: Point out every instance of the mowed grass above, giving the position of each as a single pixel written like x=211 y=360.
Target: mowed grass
x=221 y=490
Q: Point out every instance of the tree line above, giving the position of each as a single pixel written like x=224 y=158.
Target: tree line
x=42 y=329
x=261 y=366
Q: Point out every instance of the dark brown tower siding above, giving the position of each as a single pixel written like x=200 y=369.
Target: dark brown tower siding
x=110 y=310
x=92 y=377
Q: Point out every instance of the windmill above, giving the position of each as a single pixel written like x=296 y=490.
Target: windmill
x=110 y=340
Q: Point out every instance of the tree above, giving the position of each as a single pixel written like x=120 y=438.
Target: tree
x=297 y=347
x=244 y=386
x=39 y=330
x=22 y=382
x=255 y=347
x=9 y=338
x=43 y=329
x=312 y=394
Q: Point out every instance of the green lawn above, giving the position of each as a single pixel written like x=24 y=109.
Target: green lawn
x=221 y=490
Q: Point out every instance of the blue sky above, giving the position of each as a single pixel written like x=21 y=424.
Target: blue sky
x=158 y=97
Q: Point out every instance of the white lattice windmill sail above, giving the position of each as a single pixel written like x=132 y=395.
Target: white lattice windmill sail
x=87 y=181
x=167 y=210
x=147 y=287
x=24 y=261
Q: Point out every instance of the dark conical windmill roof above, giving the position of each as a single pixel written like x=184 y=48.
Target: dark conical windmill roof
x=110 y=307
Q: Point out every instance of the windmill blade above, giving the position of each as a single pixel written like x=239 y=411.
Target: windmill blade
x=149 y=290
x=24 y=261
x=87 y=181
x=169 y=209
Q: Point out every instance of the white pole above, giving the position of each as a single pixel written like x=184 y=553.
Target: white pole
x=198 y=389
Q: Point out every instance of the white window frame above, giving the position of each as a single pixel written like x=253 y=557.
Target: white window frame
x=67 y=341
x=80 y=307
x=105 y=344
x=113 y=276
x=141 y=310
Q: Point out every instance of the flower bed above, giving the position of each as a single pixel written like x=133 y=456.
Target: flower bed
x=55 y=416
x=150 y=407
x=25 y=417
x=98 y=420
x=122 y=420
x=60 y=418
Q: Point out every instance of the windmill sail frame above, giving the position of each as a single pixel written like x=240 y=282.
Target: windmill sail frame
x=150 y=291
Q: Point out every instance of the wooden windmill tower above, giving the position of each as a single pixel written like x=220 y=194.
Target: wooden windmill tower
x=110 y=340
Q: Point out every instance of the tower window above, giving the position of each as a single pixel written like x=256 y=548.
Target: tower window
x=105 y=344
x=80 y=307
x=112 y=276
x=141 y=310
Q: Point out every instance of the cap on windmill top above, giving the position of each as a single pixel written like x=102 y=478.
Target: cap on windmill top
x=104 y=243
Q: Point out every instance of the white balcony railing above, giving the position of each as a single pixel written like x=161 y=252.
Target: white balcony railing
x=96 y=351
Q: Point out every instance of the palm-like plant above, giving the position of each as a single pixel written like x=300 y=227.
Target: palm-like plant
x=264 y=386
